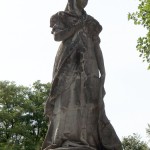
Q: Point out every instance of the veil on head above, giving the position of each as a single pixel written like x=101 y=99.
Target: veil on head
x=72 y=6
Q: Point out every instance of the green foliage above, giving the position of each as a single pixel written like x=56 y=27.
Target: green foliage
x=134 y=143
x=22 y=125
x=142 y=17
x=148 y=131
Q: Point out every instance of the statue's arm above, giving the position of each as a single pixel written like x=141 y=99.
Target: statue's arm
x=61 y=35
x=60 y=31
x=97 y=28
x=100 y=62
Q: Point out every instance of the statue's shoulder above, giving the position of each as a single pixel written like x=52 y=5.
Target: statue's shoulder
x=56 y=18
x=53 y=19
x=96 y=26
x=61 y=17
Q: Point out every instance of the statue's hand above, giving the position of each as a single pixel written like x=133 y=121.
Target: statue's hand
x=56 y=28
x=79 y=24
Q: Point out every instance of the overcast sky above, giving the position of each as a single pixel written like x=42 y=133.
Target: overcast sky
x=27 y=53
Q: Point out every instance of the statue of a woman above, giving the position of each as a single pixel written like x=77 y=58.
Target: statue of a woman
x=75 y=107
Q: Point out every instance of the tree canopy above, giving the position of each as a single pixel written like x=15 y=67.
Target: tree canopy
x=133 y=142
x=148 y=131
x=22 y=124
x=142 y=17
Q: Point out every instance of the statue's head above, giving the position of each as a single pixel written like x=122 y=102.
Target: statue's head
x=81 y=4
x=73 y=5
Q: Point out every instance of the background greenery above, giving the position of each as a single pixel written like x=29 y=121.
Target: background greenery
x=22 y=124
x=142 y=17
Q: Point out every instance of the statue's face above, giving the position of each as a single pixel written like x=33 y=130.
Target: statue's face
x=81 y=3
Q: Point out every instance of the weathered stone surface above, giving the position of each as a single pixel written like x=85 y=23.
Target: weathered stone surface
x=75 y=107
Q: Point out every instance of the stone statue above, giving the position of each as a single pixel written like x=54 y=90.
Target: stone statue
x=75 y=107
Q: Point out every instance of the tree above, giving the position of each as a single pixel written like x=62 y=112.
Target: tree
x=11 y=99
x=34 y=116
x=134 y=143
x=22 y=125
x=148 y=131
x=142 y=17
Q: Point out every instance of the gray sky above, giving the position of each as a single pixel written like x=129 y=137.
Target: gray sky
x=27 y=53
